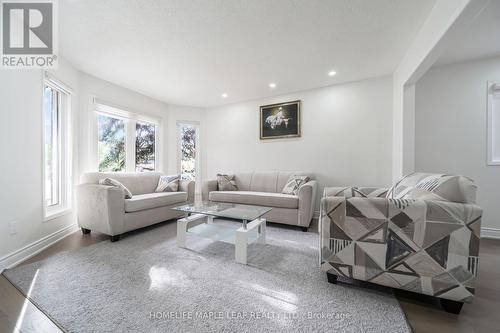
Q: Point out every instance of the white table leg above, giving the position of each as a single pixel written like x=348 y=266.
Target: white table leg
x=241 y=238
x=182 y=227
x=181 y=232
x=240 y=246
x=262 y=238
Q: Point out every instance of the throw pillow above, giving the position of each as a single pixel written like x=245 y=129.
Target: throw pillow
x=226 y=183
x=168 y=183
x=293 y=184
x=114 y=182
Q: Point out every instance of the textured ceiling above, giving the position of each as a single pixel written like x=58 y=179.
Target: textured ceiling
x=190 y=52
x=480 y=40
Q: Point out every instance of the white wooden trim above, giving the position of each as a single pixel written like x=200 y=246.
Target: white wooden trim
x=65 y=146
x=490 y=233
x=30 y=250
x=492 y=89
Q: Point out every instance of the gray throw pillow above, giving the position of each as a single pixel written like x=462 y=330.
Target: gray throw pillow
x=113 y=182
x=226 y=183
x=168 y=183
x=293 y=184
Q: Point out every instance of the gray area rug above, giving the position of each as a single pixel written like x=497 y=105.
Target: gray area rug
x=144 y=283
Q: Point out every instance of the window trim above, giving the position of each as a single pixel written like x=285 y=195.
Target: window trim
x=493 y=88
x=65 y=142
x=131 y=118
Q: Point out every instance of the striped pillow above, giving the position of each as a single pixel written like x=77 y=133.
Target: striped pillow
x=168 y=183
x=113 y=182
x=293 y=184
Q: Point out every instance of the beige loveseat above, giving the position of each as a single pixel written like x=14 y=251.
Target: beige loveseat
x=104 y=209
x=264 y=189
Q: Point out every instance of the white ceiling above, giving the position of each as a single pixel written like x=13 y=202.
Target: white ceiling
x=480 y=40
x=190 y=52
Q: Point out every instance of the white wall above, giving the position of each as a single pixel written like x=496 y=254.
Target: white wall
x=346 y=136
x=21 y=159
x=445 y=24
x=451 y=115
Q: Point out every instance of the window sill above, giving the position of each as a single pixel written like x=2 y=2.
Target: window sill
x=56 y=213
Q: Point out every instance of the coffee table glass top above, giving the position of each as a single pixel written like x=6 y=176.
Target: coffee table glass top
x=227 y=210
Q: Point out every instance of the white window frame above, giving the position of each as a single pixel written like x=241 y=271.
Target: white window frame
x=195 y=124
x=493 y=139
x=131 y=118
x=65 y=151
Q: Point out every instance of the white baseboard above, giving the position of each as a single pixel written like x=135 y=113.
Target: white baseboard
x=30 y=250
x=490 y=233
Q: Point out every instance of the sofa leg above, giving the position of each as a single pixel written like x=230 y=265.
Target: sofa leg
x=85 y=231
x=114 y=238
x=451 y=306
x=304 y=229
x=332 y=278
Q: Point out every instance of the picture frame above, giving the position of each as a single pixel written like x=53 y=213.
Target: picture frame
x=280 y=120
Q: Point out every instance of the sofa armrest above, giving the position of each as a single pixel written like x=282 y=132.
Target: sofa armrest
x=189 y=187
x=307 y=202
x=349 y=192
x=208 y=186
x=101 y=208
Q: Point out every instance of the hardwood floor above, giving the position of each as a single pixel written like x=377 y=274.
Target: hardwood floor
x=17 y=314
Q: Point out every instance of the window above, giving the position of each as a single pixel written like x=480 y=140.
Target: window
x=188 y=150
x=111 y=144
x=493 y=123
x=126 y=141
x=56 y=148
x=145 y=142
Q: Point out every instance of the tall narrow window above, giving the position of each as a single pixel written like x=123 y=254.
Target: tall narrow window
x=111 y=145
x=145 y=145
x=188 y=142
x=126 y=141
x=56 y=148
x=51 y=151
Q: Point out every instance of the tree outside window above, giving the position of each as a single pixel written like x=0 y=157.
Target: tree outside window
x=188 y=151
x=145 y=147
x=111 y=143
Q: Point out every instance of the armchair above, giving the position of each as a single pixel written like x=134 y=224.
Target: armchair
x=421 y=236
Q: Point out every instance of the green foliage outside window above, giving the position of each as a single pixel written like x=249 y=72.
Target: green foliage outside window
x=111 y=143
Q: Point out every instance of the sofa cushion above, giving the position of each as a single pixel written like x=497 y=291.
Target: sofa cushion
x=264 y=181
x=428 y=186
x=154 y=200
x=256 y=198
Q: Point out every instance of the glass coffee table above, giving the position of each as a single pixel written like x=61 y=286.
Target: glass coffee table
x=253 y=226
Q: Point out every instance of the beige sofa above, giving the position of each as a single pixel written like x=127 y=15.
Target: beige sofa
x=104 y=209
x=264 y=189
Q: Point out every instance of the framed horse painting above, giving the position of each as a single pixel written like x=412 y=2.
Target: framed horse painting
x=280 y=120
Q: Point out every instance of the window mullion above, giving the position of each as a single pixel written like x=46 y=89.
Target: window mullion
x=130 y=145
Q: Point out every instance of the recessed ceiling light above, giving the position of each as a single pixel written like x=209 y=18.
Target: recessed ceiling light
x=332 y=73
x=272 y=85
x=224 y=95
